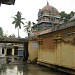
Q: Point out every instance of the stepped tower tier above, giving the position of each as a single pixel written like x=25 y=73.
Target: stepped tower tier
x=48 y=17
x=48 y=14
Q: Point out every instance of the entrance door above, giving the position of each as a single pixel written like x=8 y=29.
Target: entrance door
x=9 y=51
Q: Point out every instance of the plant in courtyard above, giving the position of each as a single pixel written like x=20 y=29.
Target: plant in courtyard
x=18 y=21
x=27 y=27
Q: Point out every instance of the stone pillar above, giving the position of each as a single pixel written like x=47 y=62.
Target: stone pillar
x=25 y=56
x=12 y=51
x=5 y=51
x=0 y=51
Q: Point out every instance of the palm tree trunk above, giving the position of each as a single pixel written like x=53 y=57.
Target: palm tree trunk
x=28 y=35
x=18 y=32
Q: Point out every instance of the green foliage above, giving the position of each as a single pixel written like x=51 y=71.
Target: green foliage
x=72 y=13
x=66 y=17
x=27 y=27
x=18 y=21
x=1 y=32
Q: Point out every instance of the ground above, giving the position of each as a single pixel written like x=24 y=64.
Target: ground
x=21 y=68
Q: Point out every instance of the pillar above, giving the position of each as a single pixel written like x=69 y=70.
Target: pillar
x=0 y=51
x=25 y=56
x=12 y=51
x=5 y=51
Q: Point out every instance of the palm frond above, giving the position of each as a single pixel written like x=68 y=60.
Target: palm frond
x=16 y=26
x=13 y=22
x=20 y=26
x=13 y=17
x=22 y=22
x=23 y=18
x=25 y=26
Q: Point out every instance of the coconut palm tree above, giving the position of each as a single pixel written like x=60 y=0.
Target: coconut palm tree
x=27 y=27
x=18 y=21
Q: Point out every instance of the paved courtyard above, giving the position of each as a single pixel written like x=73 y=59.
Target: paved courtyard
x=27 y=69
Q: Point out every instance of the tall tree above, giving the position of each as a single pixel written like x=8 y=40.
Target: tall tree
x=27 y=27
x=72 y=14
x=63 y=16
x=18 y=21
x=66 y=17
x=1 y=32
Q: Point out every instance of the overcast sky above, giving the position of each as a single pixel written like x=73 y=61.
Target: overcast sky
x=29 y=10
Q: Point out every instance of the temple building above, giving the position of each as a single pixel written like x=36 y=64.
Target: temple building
x=52 y=42
x=48 y=17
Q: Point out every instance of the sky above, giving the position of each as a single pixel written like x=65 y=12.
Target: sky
x=29 y=10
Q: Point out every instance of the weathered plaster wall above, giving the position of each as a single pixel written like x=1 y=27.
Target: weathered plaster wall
x=58 y=48
x=33 y=50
